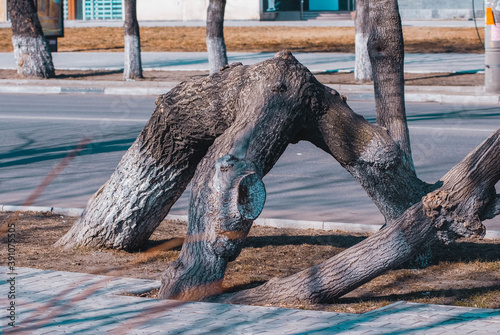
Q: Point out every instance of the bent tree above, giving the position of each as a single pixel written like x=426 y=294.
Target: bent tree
x=216 y=132
x=33 y=57
x=226 y=131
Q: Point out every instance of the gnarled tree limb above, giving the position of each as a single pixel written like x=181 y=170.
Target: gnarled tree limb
x=453 y=209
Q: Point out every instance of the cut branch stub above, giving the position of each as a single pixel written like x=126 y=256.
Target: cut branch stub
x=251 y=196
x=241 y=179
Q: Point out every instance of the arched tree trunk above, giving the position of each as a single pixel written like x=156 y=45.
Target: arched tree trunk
x=159 y=165
x=241 y=120
x=386 y=50
x=362 y=65
x=216 y=47
x=132 y=65
x=283 y=103
x=33 y=57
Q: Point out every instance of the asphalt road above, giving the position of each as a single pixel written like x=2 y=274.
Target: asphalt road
x=37 y=131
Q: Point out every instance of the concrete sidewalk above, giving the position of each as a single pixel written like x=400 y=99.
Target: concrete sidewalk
x=197 y=61
x=56 y=302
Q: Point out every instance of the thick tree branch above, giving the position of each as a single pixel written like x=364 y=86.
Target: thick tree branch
x=221 y=209
x=369 y=154
x=452 y=209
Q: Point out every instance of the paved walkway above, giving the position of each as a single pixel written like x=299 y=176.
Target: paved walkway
x=198 y=61
x=56 y=302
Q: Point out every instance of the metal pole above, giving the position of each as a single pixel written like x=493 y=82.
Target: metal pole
x=302 y=9
x=492 y=47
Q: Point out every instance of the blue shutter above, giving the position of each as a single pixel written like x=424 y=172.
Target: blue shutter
x=102 y=10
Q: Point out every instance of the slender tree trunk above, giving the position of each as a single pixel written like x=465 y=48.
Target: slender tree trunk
x=216 y=47
x=133 y=64
x=386 y=50
x=33 y=57
x=362 y=65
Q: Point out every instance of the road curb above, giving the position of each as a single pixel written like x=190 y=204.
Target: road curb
x=264 y=222
x=439 y=94
x=29 y=89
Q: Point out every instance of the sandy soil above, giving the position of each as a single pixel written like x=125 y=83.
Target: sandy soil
x=466 y=273
x=259 y=39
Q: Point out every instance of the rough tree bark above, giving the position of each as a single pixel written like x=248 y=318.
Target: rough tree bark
x=33 y=57
x=386 y=50
x=132 y=65
x=291 y=105
x=466 y=197
x=362 y=65
x=187 y=120
x=157 y=168
x=216 y=47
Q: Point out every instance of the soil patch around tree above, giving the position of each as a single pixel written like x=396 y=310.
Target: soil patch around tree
x=466 y=273
x=259 y=39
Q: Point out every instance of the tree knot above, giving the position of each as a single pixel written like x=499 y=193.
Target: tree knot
x=449 y=219
x=436 y=203
x=240 y=188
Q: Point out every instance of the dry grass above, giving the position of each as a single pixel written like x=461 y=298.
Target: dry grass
x=259 y=39
x=464 y=274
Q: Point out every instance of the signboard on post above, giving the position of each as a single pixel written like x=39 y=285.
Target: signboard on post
x=50 y=14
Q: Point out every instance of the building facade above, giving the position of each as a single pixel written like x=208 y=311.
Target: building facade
x=187 y=10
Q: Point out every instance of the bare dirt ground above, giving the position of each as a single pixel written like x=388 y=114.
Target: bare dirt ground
x=260 y=39
x=466 y=273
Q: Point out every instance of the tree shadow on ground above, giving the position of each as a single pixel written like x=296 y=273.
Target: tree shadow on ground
x=455 y=295
x=466 y=250
x=87 y=74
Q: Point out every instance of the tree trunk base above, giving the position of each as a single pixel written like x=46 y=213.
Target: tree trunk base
x=33 y=57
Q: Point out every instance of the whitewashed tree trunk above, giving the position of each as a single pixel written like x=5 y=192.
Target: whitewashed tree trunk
x=216 y=46
x=132 y=65
x=362 y=64
x=32 y=55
